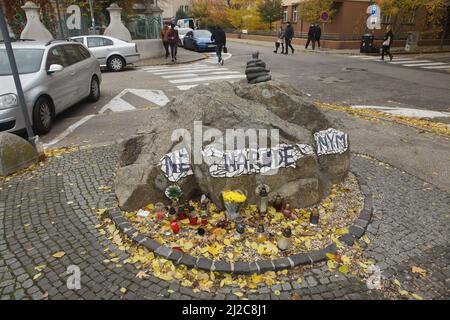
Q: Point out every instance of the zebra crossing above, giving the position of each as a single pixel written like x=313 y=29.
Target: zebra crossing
x=185 y=77
x=408 y=62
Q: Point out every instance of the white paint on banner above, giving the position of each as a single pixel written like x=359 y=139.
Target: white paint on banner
x=331 y=141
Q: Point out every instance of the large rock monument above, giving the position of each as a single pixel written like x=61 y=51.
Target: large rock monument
x=192 y=142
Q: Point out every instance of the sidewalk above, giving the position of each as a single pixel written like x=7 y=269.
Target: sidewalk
x=400 y=50
x=183 y=56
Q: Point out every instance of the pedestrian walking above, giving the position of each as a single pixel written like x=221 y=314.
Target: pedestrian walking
x=311 y=36
x=219 y=37
x=318 y=34
x=288 y=35
x=280 y=40
x=164 y=35
x=387 y=43
x=174 y=39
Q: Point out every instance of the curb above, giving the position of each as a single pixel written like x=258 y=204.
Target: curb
x=356 y=231
x=170 y=63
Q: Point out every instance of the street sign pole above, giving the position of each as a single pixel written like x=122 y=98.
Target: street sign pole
x=91 y=8
x=15 y=73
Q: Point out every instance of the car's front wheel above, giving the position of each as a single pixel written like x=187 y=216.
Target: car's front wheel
x=42 y=116
x=94 y=94
x=116 y=63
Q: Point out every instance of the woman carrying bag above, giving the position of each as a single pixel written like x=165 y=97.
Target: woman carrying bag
x=280 y=41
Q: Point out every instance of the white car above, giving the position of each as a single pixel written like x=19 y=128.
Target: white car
x=112 y=53
x=181 y=33
x=54 y=75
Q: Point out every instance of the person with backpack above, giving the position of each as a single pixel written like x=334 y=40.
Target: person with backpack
x=219 y=37
x=280 y=40
x=174 y=39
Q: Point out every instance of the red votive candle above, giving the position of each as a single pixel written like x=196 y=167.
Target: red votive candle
x=175 y=227
x=193 y=220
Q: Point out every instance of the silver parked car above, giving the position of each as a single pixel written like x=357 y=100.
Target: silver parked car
x=112 y=53
x=54 y=76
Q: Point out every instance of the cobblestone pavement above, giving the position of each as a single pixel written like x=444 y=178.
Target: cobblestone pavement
x=53 y=209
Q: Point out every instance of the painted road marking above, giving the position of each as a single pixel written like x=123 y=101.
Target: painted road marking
x=68 y=131
x=408 y=61
x=407 y=112
x=193 y=75
x=425 y=64
x=192 y=70
x=199 y=79
x=447 y=66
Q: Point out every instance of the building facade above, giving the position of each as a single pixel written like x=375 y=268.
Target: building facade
x=348 y=24
x=170 y=8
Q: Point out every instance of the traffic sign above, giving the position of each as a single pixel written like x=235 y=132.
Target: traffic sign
x=374 y=9
x=324 y=16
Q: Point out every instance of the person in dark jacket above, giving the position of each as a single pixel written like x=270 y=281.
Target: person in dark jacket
x=174 y=39
x=317 y=34
x=387 y=43
x=288 y=35
x=311 y=36
x=219 y=37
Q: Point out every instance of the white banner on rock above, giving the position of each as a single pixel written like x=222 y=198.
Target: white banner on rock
x=331 y=141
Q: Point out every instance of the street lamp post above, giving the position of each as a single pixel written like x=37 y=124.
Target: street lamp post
x=15 y=73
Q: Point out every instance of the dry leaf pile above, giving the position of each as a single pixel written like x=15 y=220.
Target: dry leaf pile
x=336 y=213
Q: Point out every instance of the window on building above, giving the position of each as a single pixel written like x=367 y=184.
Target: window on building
x=285 y=14
x=409 y=17
x=294 y=14
x=186 y=9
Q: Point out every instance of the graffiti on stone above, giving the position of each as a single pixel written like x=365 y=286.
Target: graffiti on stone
x=253 y=161
x=176 y=165
x=331 y=141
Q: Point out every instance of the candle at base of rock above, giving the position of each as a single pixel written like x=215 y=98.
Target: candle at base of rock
x=172 y=214
x=261 y=234
x=287 y=212
x=160 y=211
x=314 y=219
x=284 y=243
x=175 y=227
x=278 y=203
x=240 y=229
x=204 y=220
x=193 y=220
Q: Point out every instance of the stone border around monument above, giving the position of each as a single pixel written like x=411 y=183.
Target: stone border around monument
x=356 y=231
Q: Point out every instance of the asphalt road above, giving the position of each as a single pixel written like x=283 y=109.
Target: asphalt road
x=340 y=79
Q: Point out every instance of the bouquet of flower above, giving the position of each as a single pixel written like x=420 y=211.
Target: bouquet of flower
x=233 y=200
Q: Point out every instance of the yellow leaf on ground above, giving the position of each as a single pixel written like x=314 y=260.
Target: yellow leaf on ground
x=123 y=290
x=330 y=265
x=342 y=231
x=420 y=271
x=277 y=292
x=256 y=278
x=366 y=239
x=40 y=267
x=416 y=296
x=398 y=284
x=37 y=276
x=404 y=292
x=58 y=254
x=343 y=269
x=239 y=294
